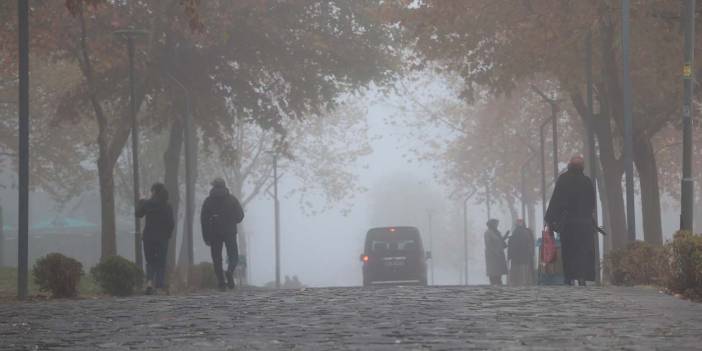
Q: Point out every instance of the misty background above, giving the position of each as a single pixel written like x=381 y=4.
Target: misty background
x=323 y=248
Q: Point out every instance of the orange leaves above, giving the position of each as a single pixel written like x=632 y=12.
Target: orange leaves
x=193 y=14
x=74 y=6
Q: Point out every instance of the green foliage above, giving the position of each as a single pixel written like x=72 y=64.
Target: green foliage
x=639 y=263
x=677 y=266
x=685 y=275
x=117 y=276
x=203 y=276
x=58 y=274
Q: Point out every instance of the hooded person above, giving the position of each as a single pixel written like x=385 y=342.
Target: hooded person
x=520 y=252
x=495 y=263
x=570 y=213
x=157 y=232
x=220 y=214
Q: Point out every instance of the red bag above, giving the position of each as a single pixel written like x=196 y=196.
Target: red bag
x=548 y=246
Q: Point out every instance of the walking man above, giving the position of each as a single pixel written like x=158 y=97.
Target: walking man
x=520 y=252
x=570 y=213
x=157 y=232
x=221 y=212
x=495 y=263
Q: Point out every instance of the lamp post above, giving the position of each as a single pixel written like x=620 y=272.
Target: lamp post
x=592 y=147
x=543 y=160
x=129 y=34
x=553 y=103
x=276 y=210
x=524 y=199
x=465 y=235
x=488 y=199
x=2 y=238
x=628 y=125
x=189 y=171
x=687 y=185
x=23 y=201
x=430 y=213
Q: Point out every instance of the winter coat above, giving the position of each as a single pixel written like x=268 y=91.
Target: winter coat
x=520 y=248
x=159 y=219
x=495 y=263
x=220 y=214
x=570 y=212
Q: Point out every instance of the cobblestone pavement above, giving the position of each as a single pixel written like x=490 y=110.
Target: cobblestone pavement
x=392 y=318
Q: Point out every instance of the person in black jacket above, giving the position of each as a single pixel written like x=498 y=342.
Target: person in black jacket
x=571 y=214
x=520 y=252
x=221 y=212
x=157 y=231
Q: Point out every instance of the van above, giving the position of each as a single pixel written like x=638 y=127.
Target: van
x=394 y=255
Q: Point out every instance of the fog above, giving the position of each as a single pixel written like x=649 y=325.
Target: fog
x=377 y=122
x=322 y=249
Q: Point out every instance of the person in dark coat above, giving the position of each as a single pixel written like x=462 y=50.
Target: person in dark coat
x=157 y=232
x=570 y=214
x=520 y=252
x=495 y=263
x=221 y=212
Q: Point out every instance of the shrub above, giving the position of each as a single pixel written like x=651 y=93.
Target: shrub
x=203 y=276
x=685 y=275
x=117 y=276
x=639 y=263
x=58 y=274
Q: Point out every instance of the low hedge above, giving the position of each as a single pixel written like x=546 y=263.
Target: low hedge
x=676 y=266
x=639 y=263
x=58 y=274
x=685 y=274
x=117 y=276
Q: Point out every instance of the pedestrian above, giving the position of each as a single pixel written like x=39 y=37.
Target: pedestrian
x=221 y=212
x=520 y=252
x=570 y=213
x=495 y=263
x=157 y=232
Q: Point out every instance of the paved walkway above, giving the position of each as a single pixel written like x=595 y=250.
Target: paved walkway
x=393 y=318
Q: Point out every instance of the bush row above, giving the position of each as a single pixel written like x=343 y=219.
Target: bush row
x=676 y=266
x=60 y=275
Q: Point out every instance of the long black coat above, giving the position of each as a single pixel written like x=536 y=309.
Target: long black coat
x=570 y=213
x=520 y=249
x=220 y=214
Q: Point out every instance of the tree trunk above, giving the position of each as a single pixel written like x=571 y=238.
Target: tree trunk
x=615 y=202
x=171 y=159
x=189 y=216
x=611 y=171
x=645 y=160
x=531 y=214
x=107 y=208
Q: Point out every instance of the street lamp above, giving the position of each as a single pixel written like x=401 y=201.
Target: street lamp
x=23 y=173
x=430 y=212
x=628 y=125
x=591 y=142
x=465 y=234
x=687 y=185
x=543 y=159
x=524 y=201
x=189 y=171
x=276 y=213
x=129 y=34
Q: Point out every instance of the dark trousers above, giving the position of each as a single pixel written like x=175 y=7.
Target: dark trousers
x=155 y=252
x=232 y=256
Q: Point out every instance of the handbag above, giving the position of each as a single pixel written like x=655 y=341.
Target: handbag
x=548 y=246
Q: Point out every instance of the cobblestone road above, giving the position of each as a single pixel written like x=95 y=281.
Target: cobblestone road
x=393 y=318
